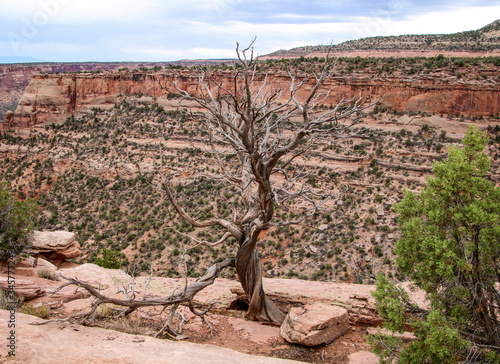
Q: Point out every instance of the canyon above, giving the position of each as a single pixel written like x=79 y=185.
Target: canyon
x=89 y=142
x=467 y=89
x=14 y=78
x=75 y=138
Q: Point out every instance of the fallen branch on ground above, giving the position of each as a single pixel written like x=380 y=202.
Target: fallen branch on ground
x=129 y=305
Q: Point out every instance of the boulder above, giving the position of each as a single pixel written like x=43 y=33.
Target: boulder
x=59 y=245
x=28 y=267
x=42 y=264
x=72 y=251
x=46 y=241
x=315 y=324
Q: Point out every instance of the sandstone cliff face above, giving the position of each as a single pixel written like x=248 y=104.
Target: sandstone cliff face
x=50 y=98
x=14 y=78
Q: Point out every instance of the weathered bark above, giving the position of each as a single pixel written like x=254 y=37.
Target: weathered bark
x=247 y=263
x=248 y=268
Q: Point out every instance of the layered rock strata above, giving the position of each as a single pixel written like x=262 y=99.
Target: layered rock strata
x=52 y=98
x=58 y=245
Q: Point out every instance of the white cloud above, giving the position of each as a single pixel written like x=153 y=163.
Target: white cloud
x=443 y=22
x=170 y=30
x=289 y=30
x=296 y=17
x=271 y=37
x=77 y=11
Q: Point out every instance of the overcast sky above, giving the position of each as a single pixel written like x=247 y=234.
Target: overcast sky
x=168 y=30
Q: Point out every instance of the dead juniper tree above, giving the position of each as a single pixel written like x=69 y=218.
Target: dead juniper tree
x=267 y=126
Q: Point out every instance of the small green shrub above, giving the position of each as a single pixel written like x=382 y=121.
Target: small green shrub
x=110 y=259
x=16 y=222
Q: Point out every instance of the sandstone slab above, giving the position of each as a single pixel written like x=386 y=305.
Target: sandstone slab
x=363 y=357
x=41 y=264
x=65 y=295
x=315 y=324
x=93 y=274
x=69 y=343
x=72 y=251
x=47 y=241
x=22 y=287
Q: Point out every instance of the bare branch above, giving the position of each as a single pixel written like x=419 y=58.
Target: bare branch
x=226 y=236
x=185 y=296
x=233 y=229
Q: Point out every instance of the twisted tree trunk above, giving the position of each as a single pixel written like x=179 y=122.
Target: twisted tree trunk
x=248 y=268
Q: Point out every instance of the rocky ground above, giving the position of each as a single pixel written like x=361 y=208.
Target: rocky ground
x=69 y=343
x=90 y=344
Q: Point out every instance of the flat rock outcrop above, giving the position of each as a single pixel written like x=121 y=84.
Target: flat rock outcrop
x=69 y=343
x=36 y=343
x=41 y=264
x=25 y=288
x=94 y=274
x=315 y=324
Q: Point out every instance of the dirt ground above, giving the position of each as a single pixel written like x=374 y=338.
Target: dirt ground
x=232 y=331
x=257 y=339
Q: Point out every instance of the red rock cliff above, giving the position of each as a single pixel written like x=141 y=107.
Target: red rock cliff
x=50 y=98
